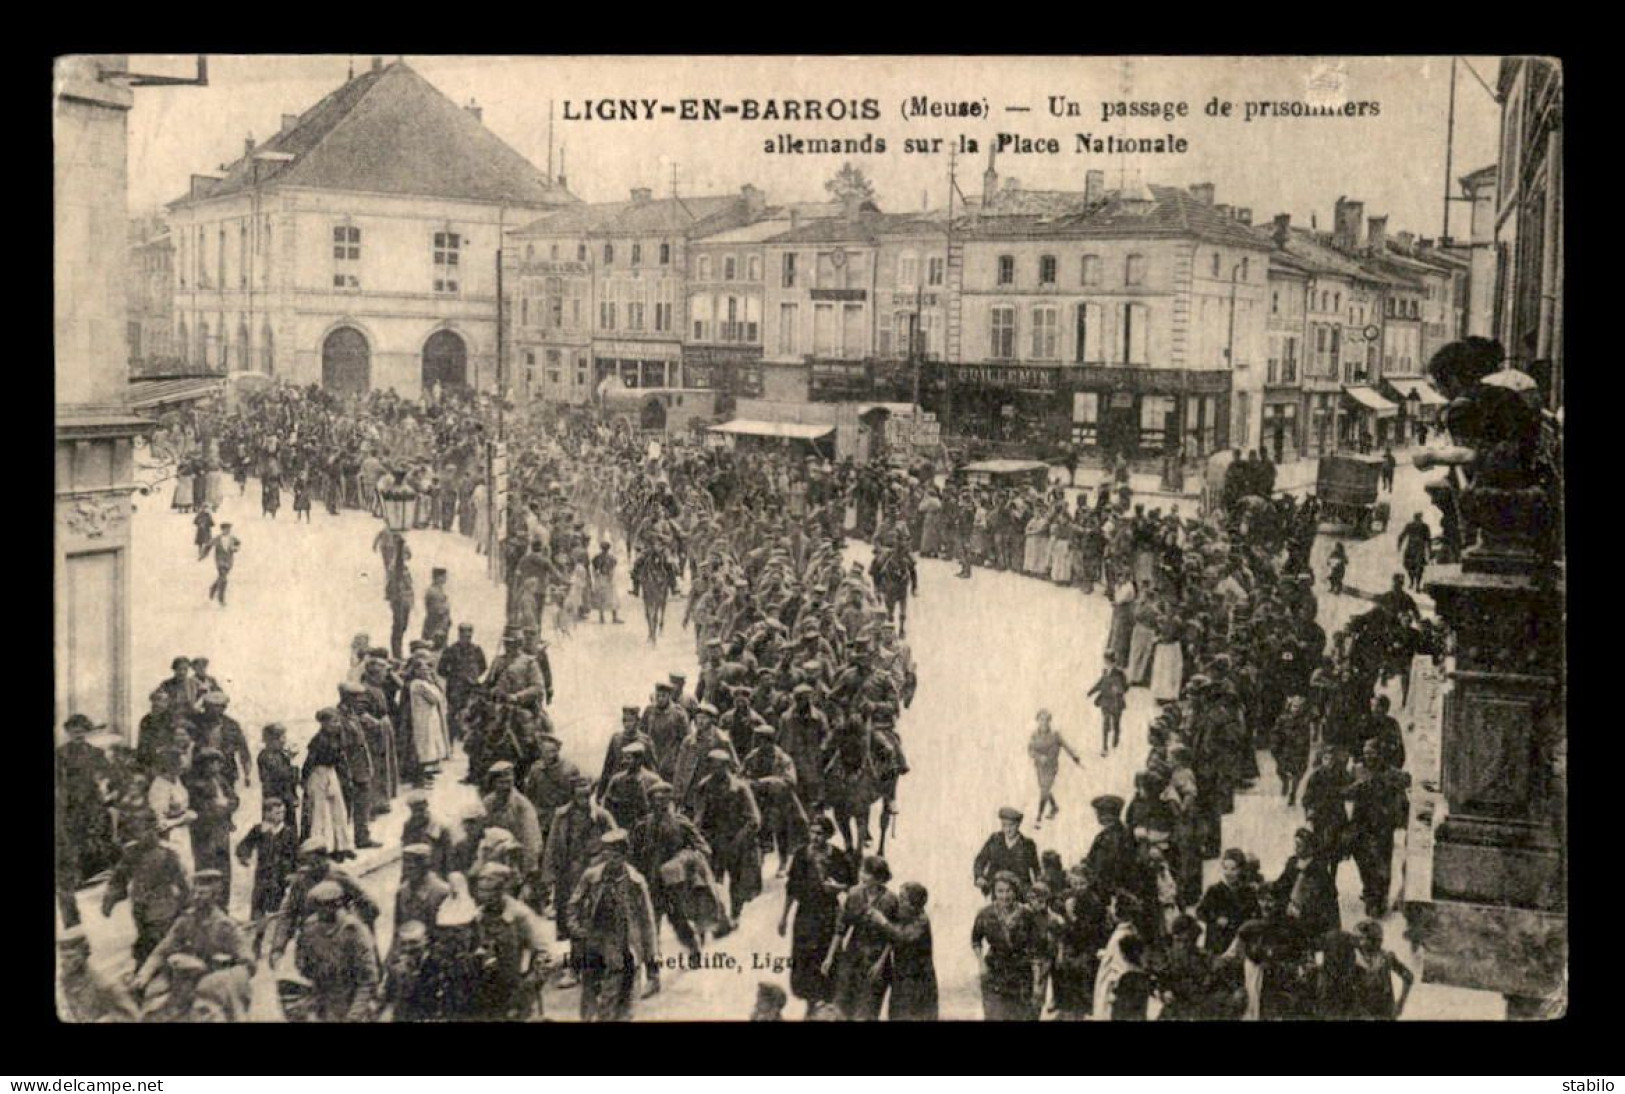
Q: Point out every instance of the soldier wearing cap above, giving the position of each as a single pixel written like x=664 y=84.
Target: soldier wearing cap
x=1007 y=850
x=631 y=732
x=84 y=825
x=680 y=697
x=461 y=666
x=214 y=729
x=515 y=676
x=668 y=850
x=571 y=846
x=691 y=754
x=728 y=816
x=364 y=741
x=410 y=990
x=771 y=773
x=611 y=913
x=151 y=875
x=1113 y=859
x=214 y=802
x=506 y=808
x=421 y=890
x=316 y=867
x=626 y=795
x=547 y=784
x=803 y=731
x=182 y=688
x=202 y=930
x=337 y=954
x=740 y=722
x=665 y=723
x=279 y=775
x=436 y=610
x=88 y=995
x=510 y=952
x=422 y=827
x=710 y=671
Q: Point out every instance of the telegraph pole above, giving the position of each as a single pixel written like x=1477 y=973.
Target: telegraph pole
x=1449 y=149
x=948 y=273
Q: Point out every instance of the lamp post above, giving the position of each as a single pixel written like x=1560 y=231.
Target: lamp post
x=398 y=501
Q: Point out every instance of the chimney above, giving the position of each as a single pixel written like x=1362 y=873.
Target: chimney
x=475 y=109
x=755 y=201
x=289 y=121
x=1406 y=241
x=851 y=206
x=795 y=218
x=1203 y=192
x=1245 y=216
x=1224 y=211
x=378 y=64
x=990 y=181
x=1283 y=228
x=1376 y=233
x=248 y=146
x=641 y=194
x=1346 y=218
x=1094 y=187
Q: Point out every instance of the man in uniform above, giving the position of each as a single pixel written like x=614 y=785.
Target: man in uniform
x=626 y=795
x=337 y=954
x=421 y=891
x=89 y=995
x=462 y=664
x=214 y=729
x=803 y=730
x=666 y=724
x=771 y=774
x=363 y=745
x=151 y=875
x=436 y=610
x=681 y=698
x=202 y=930
x=422 y=827
x=610 y=911
x=1007 y=850
x=727 y=815
x=508 y=944
x=631 y=732
x=656 y=843
x=1379 y=805
x=1113 y=858
x=515 y=676
x=739 y=724
x=315 y=867
x=507 y=809
x=85 y=824
x=548 y=788
x=691 y=755
x=571 y=845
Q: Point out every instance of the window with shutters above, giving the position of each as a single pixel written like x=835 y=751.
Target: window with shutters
x=825 y=333
x=665 y=294
x=1289 y=360
x=1155 y=414
x=1336 y=352
x=265 y=269
x=854 y=335
x=448 y=257
x=606 y=309
x=1091 y=270
x=346 y=257
x=884 y=324
x=1273 y=367
x=789 y=334
x=789 y=270
x=1133 y=323
x=609 y=254
x=1046 y=334
x=1134 y=270
x=936 y=270
x=1003 y=333
x=703 y=268
x=753 y=320
x=730 y=326
x=1007 y=269
x=665 y=254
x=554 y=298
x=637 y=254
x=1085 y=417
x=753 y=268
x=220 y=260
x=1087 y=330
x=931 y=336
x=908 y=270
x=243 y=259
x=700 y=312
x=180 y=265
x=634 y=306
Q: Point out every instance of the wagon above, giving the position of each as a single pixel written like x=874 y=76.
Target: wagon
x=1347 y=489
x=1005 y=472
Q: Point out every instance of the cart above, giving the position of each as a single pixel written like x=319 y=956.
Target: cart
x=1347 y=489
x=1005 y=473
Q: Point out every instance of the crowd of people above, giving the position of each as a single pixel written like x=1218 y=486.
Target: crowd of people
x=788 y=748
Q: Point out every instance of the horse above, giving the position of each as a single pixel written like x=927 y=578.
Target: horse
x=895 y=576
x=654 y=576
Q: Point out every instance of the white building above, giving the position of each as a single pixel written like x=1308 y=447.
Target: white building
x=357 y=248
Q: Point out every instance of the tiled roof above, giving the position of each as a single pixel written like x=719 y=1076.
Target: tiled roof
x=674 y=215
x=392 y=132
x=1314 y=250
x=145 y=394
x=1062 y=214
x=866 y=227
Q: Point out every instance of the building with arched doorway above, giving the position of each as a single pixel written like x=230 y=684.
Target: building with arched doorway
x=309 y=261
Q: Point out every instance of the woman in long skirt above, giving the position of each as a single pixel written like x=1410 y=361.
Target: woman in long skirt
x=214 y=484
x=1168 y=663
x=819 y=872
x=205 y=530
x=930 y=525
x=185 y=481
x=431 y=738
x=482 y=518
x=1007 y=942
x=270 y=497
x=1122 y=628
x=200 y=481
x=1142 y=643
x=327 y=818
x=1036 y=539
x=1060 y=551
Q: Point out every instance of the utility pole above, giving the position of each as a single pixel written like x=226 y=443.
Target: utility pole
x=1449 y=149
x=550 y=176
x=948 y=273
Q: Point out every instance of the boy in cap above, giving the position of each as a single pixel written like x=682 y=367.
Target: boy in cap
x=276 y=843
x=1007 y=850
x=279 y=776
x=225 y=546
x=1109 y=691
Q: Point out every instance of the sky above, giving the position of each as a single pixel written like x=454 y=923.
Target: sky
x=1394 y=162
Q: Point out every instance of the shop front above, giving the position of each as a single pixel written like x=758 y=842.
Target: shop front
x=1281 y=436
x=638 y=364
x=1419 y=405
x=1368 y=420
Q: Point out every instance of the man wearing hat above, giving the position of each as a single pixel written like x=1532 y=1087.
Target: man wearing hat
x=1007 y=850
x=337 y=954
x=571 y=846
x=668 y=850
x=84 y=823
x=225 y=546
x=739 y=724
x=681 y=698
x=160 y=727
x=152 y=877
x=516 y=677
x=665 y=723
x=182 y=688
x=630 y=733
x=626 y=795
x=316 y=867
x=710 y=671
x=1113 y=859
x=214 y=802
x=511 y=953
x=421 y=890
x=436 y=610
x=462 y=664
x=214 y=729
x=771 y=774
x=422 y=827
x=610 y=911
x=363 y=741
x=1109 y=692
x=409 y=992
x=88 y=994
x=202 y=930
x=691 y=754
x=803 y=730
x=506 y=808
x=276 y=842
x=728 y=816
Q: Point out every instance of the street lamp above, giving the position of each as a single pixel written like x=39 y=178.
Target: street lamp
x=398 y=503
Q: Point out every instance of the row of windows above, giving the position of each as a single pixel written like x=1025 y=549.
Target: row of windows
x=1402 y=309
x=1089 y=272
x=446 y=259
x=214 y=348
x=729 y=268
x=1089 y=346
x=195 y=267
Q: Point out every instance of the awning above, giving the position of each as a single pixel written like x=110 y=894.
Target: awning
x=1005 y=467
x=145 y=394
x=800 y=431
x=1426 y=393
x=1368 y=399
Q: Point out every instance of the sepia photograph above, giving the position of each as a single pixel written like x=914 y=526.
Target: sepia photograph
x=768 y=538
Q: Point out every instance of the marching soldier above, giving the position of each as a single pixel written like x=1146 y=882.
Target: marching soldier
x=610 y=911
x=337 y=954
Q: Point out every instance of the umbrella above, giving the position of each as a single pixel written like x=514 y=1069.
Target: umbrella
x=1512 y=379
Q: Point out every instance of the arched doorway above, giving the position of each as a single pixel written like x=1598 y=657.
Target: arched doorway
x=445 y=360
x=346 y=362
x=653 y=415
